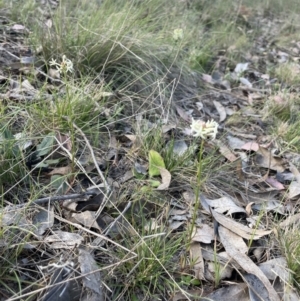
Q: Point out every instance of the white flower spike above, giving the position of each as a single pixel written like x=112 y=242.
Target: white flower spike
x=205 y=130
x=65 y=66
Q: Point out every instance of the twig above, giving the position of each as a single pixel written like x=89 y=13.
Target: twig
x=52 y=199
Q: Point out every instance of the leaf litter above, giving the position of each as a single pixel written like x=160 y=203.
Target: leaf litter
x=228 y=214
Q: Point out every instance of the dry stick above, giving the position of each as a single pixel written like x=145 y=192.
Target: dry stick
x=52 y=199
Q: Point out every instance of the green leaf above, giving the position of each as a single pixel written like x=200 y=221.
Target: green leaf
x=155 y=163
x=46 y=146
x=154 y=183
x=59 y=183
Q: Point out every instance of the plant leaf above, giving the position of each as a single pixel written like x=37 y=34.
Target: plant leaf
x=155 y=163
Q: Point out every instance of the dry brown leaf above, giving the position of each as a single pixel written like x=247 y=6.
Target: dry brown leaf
x=221 y=110
x=65 y=170
x=274 y=183
x=274 y=268
x=167 y=127
x=175 y=225
x=225 y=204
x=62 y=239
x=264 y=158
x=234 y=142
x=183 y=114
x=91 y=277
x=132 y=138
x=250 y=146
x=43 y=219
x=295 y=172
x=238 y=228
x=86 y=218
x=225 y=269
x=235 y=292
x=204 y=234
x=226 y=152
x=166 y=179
x=294 y=189
x=248 y=208
x=196 y=258
x=64 y=140
x=290 y=220
x=229 y=240
x=183 y=296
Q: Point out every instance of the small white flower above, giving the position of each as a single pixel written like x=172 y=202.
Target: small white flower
x=178 y=34
x=205 y=130
x=65 y=66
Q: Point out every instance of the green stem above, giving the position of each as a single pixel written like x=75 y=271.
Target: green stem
x=197 y=201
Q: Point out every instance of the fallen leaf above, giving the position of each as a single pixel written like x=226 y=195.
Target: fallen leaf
x=166 y=179
x=197 y=260
x=264 y=158
x=184 y=295
x=48 y=23
x=257 y=290
x=183 y=114
x=179 y=147
x=235 y=143
x=64 y=170
x=294 y=189
x=250 y=146
x=19 y=27
x=226 y=152
x=295 y=172
x=173 y=225
x=91 y=278
x=151 y=225
x=225 y=204
x=240 y=68
x=238 y=228
x=249 y=209
x=64 y=240
x=244 y=81
x=43 y=220
x=274 y=183
x=235 y=292
x=229 y=240
x=87 y=219
x=274 y=268
x=271 y=205
x=221 y=110
x=204 y=234
x=290 y=220
x=225 y=270
x=208 y=78
x=167 y=127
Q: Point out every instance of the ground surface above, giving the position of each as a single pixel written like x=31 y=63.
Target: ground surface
x=106 y=192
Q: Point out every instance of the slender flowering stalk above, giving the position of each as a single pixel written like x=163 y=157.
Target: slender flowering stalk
x=205 y=130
